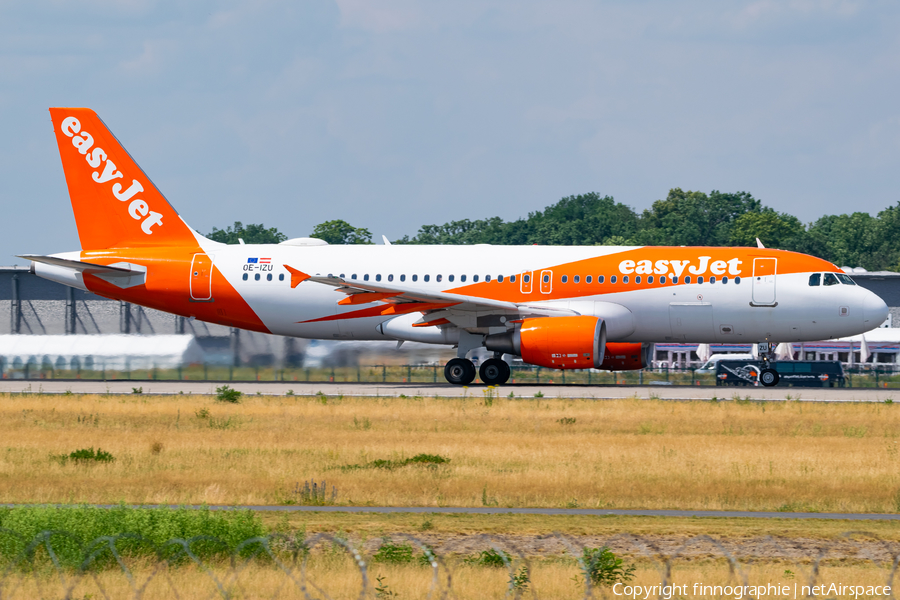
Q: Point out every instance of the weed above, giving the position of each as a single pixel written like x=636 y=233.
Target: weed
x=229 y=423
x=654 y=396
x=321 y=397
x=427 y=525
x=489 y=558
x=289 y=393
x=137 y=390
x=228 y=394
x=314 y=494
x=486 y=500
x=382 y=590
x=203 y=413
x=519 y=580
x=88 y=420
x=603 y=567
x=855 y=432
x=788 y=574
x=396 y=554
x=489 y=395
x=67 y=393
x=156 y=447
x=363 y=424
x=567 y=421
x=539 y=394
x=511 y=396
x=403 y=396
x=573 y=503
x=888 y=400
x=430 y=460
x=86 y=456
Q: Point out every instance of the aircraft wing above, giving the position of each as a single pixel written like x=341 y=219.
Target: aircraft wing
x=405 y=299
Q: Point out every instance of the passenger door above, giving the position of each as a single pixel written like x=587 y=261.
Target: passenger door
x=764 y=281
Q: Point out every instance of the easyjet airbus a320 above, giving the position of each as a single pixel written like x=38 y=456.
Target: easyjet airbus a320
x=558 y=307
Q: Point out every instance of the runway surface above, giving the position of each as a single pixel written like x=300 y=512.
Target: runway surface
x=595 y=512
x=605 y=392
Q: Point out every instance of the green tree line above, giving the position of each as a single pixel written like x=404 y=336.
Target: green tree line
x=682 y=218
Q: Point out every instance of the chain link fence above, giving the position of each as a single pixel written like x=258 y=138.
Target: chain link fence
x=56 y=565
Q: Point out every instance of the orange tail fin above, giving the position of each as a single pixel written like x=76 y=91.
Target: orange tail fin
x=115 y=203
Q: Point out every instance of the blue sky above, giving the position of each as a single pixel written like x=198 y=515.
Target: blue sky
x=391 y=114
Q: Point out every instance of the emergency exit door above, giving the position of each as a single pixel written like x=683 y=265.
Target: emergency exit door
x=201 y=277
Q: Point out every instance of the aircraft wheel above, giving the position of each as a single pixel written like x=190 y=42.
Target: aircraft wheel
x=460 y=371
x=769 y=377
x=494 y=371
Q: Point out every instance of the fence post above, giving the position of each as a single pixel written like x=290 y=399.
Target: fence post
x=641 y=377
x=408 y=374
x=205 y=372
x=667 y=372
x=383 y=373
x=539 y=375
x=358 y=374
x=434 y=373
x=589 y=376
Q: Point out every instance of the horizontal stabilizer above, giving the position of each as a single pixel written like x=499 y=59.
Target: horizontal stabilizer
x=84 y=267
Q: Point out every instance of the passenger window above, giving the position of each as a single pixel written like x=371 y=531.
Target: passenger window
x=637 y=279
x=487 y=278
x=366 y=277
x=462 y=278
x=475 y=278
x=700 y=279
x=256 y=277
x=449 y=277
x=378 y=277
x=662 y=279
x=737 y=280
x=440 y=277
x=650 y=279
x=625 y=279
x=415 y=277
x=687 y=279
x=612 y=279
x=526 y=278
x=426 y=278
x=512 y=278
x=500 y=278
x=269 y=277
x=724 y=280
x=576 y=279
x=403 y=278
x=546 y=279
x=845 y=279
x=342 y=275
x=830 y=279
x=565 y=279
x=674 y=279
x=815 y=279
x=601 y=279
x=391 y=277
x=280 y=277
x=712 y=279
x=588 y=279
x=353 y=276
x=245 y=277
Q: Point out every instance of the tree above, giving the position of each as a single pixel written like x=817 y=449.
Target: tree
x=693 y=218
x=251 y=234
x=341 y=232
x=774 y=230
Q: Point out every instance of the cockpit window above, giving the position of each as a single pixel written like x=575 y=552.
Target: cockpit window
x=830 y=279
x=815 y=279
x=845 y=279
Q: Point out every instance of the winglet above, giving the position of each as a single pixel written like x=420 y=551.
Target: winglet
x=297 y=277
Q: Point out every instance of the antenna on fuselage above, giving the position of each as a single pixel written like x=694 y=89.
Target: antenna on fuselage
x=759 y=244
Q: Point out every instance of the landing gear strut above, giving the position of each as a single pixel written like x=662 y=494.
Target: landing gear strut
x=460 y=371
x=494 y=371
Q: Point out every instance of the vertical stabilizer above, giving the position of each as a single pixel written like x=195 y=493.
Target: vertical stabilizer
x=115 y=203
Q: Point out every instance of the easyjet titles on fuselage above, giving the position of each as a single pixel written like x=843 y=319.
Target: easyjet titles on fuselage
x=677 y=267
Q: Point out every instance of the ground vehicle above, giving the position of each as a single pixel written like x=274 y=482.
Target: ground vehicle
x=824 y=373
x=711 y=364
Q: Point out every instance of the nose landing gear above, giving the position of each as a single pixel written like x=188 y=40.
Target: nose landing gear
x=460 y=371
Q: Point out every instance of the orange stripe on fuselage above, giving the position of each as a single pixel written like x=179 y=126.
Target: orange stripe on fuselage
x=167 y=287
x=609 y=265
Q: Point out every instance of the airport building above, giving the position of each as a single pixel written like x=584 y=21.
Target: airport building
x=37 y=307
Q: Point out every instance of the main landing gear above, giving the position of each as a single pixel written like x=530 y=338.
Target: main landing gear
x=461 y=371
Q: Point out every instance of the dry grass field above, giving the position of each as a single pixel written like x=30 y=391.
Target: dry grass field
x=507 y=453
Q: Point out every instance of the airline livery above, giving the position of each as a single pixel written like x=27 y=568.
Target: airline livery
x=559 y=307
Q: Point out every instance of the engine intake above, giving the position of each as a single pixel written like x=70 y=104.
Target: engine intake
x=555 y=342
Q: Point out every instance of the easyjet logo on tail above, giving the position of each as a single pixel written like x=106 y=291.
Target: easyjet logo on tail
x=95 y=156
x=677 y=267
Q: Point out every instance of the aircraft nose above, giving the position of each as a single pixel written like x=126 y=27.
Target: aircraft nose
x=875 y=311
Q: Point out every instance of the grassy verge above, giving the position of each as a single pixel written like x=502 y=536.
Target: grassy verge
x=496 y=451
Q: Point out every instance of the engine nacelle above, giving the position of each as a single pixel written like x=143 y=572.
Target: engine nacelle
x=621 y=356
x=555 y=342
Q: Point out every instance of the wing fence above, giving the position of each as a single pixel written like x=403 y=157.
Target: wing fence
x=55 y=564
